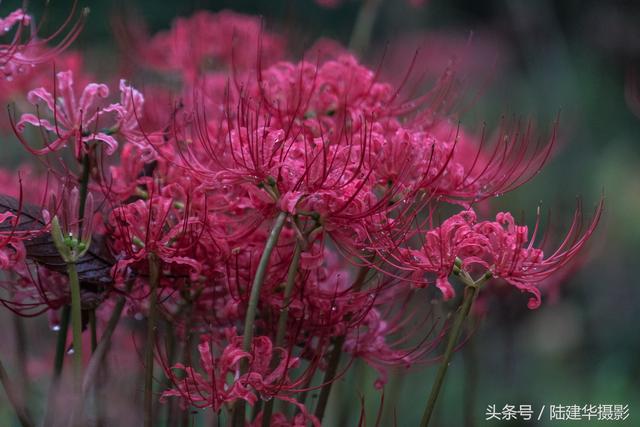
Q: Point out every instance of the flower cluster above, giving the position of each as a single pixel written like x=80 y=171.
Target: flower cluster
x=281 y=212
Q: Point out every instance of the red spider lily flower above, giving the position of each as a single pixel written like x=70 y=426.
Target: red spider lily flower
x=35 y=290
x=127 y=179
x=203 y=41
x=10 y=58
x=18 y=222
x=329 y=140
x=12 y=250
x=500 y=247
x=130 y=113
x=81 y=120
x=486 y=166
x=157 y=225
x=76 y=120
x=371 y=340
x=443 y=245
x=26 y=50
x=222 y=383
x=16 y=89
x=515 y=259
x=286 y=165
x=341 y=104
x=281 y=420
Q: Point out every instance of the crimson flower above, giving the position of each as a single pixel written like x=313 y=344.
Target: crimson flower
x=81 y=119
x=25 y=49
x=501 y=247
x=222 y=383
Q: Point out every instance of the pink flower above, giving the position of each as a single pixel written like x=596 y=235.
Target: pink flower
x=281 y=420
x=12 y=250
x=159 y=226
x=454 y=238
x=221 y=382
x=500 y=247
x=18 y=16
x=204 y=41
x=510 y=253
x=130 y=112
x=372 y=342
x=26 y=49
x=77 y=120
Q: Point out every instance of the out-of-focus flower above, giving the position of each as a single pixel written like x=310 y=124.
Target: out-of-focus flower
x=205 y=41
x=12 y=250
x=222 y=381
x=25 y=49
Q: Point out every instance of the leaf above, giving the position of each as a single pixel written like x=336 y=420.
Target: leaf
x=94 y=268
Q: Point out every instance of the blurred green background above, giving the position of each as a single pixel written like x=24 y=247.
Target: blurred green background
x=524 y=58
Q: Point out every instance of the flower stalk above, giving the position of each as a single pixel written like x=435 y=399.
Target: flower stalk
x=284 y=317
x=76 y=327
x=239 y=406
x=103 y=346
x=470 y=292
x=21 y=357
x=14 y=399
x=334 y=358
x=58 y=363
x=72 y=239
x=154 y=277
x=329 y=376
x=363 y=27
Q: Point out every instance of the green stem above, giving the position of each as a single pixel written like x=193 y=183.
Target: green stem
x=61 y=350
x=170 y=349
x=96 y=366
x=61 y=342
x=21 y=357
x=329 y=376
x=288 y=290
x=14 y=399
x=76 y=327
x=84 y=188
x=392 y=396
x=363 y=27
x=272 y=240
x=284 y=316
x=334 y=358
x=154 y=276
x=463 y=311
x=471 y=383
x=105 y=342
x=303 y=395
